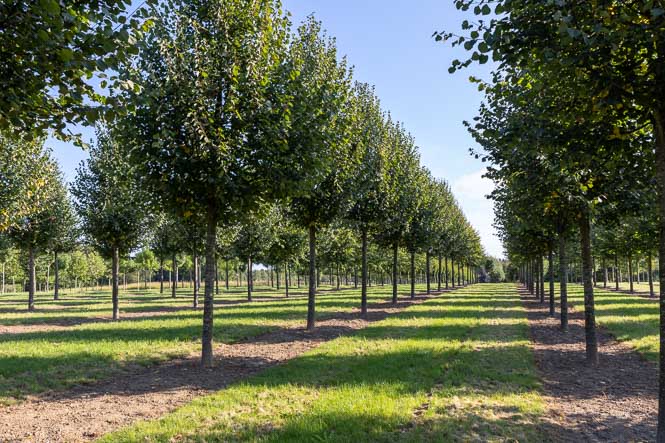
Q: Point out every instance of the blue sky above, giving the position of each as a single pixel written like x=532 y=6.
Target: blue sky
x=390 y=45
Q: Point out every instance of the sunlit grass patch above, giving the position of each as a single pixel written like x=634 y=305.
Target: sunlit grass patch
x=456 y=367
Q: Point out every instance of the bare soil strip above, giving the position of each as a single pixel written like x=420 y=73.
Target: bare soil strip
x=615 y=401
x=89 y=411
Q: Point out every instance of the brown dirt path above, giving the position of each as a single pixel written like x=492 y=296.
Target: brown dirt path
x=89 y=411
x=616 y=401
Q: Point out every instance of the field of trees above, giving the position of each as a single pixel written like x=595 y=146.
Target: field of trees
x=253 y=250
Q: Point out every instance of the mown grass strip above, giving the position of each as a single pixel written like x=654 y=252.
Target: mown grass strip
x=458 y=367
x=629 y=317
x=35 y=361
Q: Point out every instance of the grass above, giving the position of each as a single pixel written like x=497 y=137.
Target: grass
x=35 y=361
x=455 y=368
x=630 y=318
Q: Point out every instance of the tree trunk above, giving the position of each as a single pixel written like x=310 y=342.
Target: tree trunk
x=311 y=296
x=536 y=279
x=446 y=269
x=427 y=271
x=56 y=277
x=563 y=281
x=196 y=280
x=174 y=269
x=115 y=269
x=589 y=307
x=630 y=273
x=452 y=272
x=659 y=133
x=439 y=275
x=541 y=271
x=161 y=275
x=363 y=272
x=413 y=274
x=338 y=276
x=216 y=277
x=617 y=274
x=551 y=278
x=286 y=278
x=226 y=271
x=209 y=295
x=604 y=273
x=650 y=272
x=32 y=279
x=250 y=279
x=395 y=248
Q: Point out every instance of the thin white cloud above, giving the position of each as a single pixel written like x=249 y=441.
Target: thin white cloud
x=471 y=191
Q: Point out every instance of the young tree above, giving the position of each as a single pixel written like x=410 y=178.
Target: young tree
x=253 y=239
x=402 y=168
x=64 y=230
x=34 y=230
x=319 y=125
x=369 y=190
x=110 y=203
x=208 y=126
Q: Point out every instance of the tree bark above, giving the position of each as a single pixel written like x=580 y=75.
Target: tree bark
x=604 y=273
x=446 y=270
x=551 y=279
x=439 y=275
x=286 y=278
x=195 y=303
x=413 y=274
x=589 y=307
x=115 y=269
x=174 y=268
x=311 y=296
x=209 y=295
x=226 y=271
x=563 y=281
x=541 y=271
x=216 y=277
x=427 y=272
x=250 y=279
x=630 y=273
x=395 y=250
x=32 y=279
x=363 y=272
x=659 y=133
x=161 y=275
x=617 y=274
x=650 y=272
x=56 y=277
x=452 y=272
x=536 y=279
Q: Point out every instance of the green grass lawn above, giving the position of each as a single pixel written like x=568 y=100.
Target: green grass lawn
x=630 y=318
x=455 y=368
x=35 y=361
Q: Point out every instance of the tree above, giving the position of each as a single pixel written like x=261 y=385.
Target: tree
x=34 y=230
x=64 y=231
x=402 y=167
x=20 y=162
x=51 y=51
x=110 y=204
x=209 y=120
x=369 y=180
x=253 y=239
x=611 y=56
x=320 y=92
